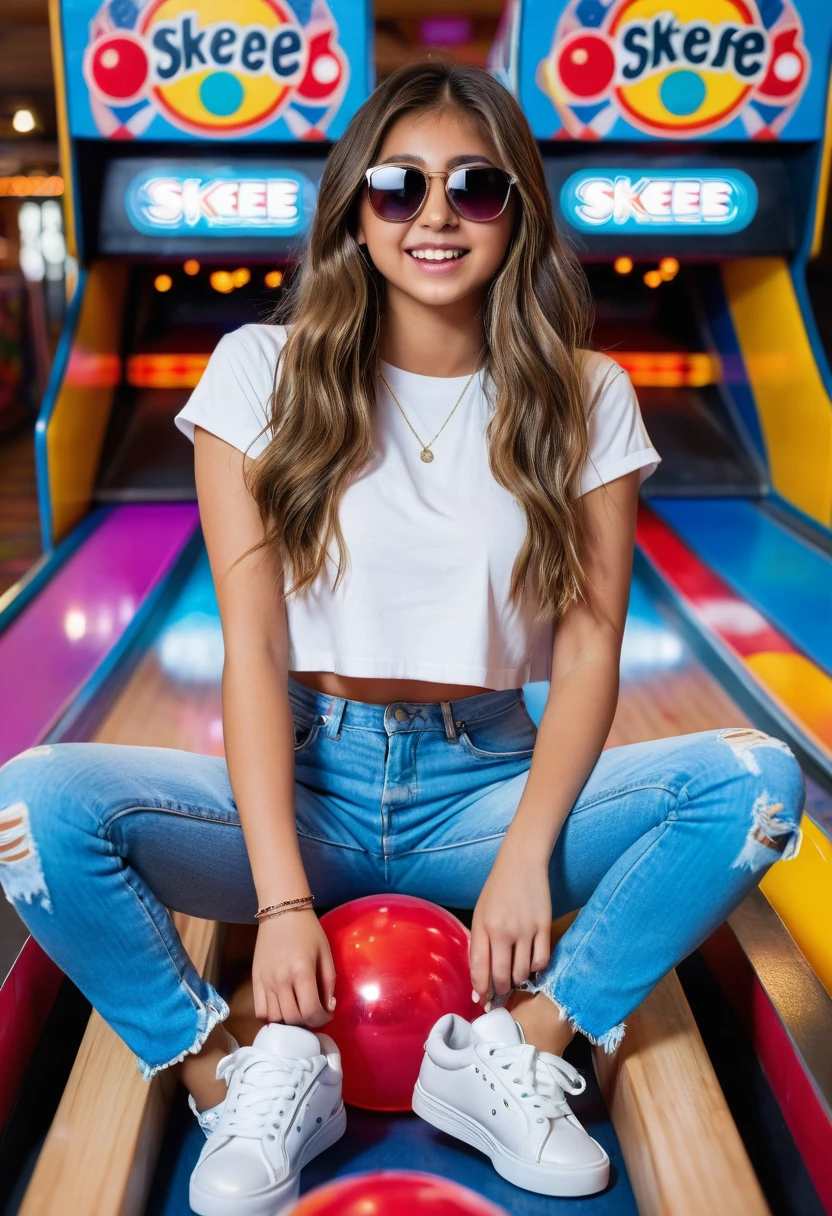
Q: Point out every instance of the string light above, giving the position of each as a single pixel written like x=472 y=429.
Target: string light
x=622 y=265
x=191 y=266
x=241 y=276
x=273 y=278
x=653 y=278
x=668 y=268
x=163 y=282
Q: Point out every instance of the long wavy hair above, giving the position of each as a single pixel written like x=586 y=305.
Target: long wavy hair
x=535 y=317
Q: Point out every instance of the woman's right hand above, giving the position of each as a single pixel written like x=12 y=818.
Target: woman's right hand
x=293 y=975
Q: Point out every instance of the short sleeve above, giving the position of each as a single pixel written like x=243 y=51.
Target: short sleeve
x=618 y=439
x=231 y=399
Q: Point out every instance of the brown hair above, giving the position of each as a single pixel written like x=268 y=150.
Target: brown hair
x=535 y=317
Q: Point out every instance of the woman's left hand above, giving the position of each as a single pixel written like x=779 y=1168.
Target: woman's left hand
x=512 y=923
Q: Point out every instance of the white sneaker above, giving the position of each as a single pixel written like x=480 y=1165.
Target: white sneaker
x=208 y=1119
x=483 y=1083
x=283 y=1107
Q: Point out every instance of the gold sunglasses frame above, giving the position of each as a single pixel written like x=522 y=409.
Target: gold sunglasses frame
x=444 y=173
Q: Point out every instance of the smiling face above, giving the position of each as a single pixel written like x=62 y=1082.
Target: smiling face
x=436 y=142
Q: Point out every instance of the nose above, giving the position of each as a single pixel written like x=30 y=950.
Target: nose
x=437 y=211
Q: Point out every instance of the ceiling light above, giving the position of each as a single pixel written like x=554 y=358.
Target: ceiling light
x=23 y=121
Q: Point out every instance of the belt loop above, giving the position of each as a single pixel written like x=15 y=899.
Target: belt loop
x=334 y=714
x=450 y=729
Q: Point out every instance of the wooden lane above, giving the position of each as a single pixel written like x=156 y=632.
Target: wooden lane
x=101 y=1150
x=662 y=1070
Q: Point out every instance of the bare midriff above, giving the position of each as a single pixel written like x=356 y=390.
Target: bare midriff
x=381 y=692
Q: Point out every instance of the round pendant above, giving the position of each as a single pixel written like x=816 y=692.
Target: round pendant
x=426 y=455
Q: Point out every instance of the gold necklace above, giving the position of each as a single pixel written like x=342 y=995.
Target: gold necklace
x=425 y=453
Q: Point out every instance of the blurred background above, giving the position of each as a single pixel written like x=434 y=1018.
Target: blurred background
x=687 y=146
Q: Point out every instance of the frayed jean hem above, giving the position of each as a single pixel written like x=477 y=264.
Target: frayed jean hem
x=610 y=1040
x=209 y=1016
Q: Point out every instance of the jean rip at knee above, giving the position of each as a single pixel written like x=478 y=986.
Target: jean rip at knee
x=775 y=799
x=21 y=871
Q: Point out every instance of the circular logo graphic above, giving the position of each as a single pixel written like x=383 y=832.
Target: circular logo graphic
x=214 y=69
x=687 y=70
x=213 y=75
x=674 y=68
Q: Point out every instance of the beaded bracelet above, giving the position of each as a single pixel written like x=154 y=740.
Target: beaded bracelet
x=287 y=905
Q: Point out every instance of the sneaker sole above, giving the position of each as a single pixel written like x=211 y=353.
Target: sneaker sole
x=565 y=1181
x=275 y=1201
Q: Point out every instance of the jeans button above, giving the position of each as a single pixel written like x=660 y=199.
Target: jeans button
x=400 y=715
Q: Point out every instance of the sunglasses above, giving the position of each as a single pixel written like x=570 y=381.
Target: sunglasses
x=397 y=193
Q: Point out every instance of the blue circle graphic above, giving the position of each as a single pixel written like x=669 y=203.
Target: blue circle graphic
x=221 y=94
x=682 y=93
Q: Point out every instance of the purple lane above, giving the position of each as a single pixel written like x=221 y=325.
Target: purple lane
x=50 y=651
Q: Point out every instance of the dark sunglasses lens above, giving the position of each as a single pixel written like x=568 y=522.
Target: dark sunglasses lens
x=479 y=194
x=396 y=193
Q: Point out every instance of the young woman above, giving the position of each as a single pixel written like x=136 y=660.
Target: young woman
x=428 y=409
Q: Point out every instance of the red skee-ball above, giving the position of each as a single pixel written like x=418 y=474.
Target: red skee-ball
x=400 y=964
x=394 y=1193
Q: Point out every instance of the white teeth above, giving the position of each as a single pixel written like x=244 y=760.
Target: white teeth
x=436 y=255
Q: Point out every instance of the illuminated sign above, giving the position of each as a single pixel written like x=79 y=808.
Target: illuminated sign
x=232 y=202
x=690 y=201
x=678 y=69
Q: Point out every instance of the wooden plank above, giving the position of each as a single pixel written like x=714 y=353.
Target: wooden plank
x=683 y=1152
x=101 y=1150
x=100 y=1154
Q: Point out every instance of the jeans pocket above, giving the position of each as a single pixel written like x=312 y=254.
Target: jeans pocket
x=307 y=725
x=305 y=734
x=508 y=735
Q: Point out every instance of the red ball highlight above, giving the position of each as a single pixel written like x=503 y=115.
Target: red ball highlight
x=394 y=1193
x=401 y=963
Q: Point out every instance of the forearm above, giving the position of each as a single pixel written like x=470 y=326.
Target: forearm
x=259 y=745
x=571 y=735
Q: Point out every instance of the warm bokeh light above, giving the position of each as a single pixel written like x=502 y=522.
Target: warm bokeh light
x=222 y=281
x=273 y=278
x=622 y=265
x=23 y=121
x=668 y=267
x=89 y=369
x=241 y=276
x=31 y=186
x=670 y=368
x=191 y=266
x=163 y=282
x=653 y=278
x=155 y=369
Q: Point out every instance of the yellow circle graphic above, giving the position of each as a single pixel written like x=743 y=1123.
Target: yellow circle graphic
x=703 y=98
x=218 y=97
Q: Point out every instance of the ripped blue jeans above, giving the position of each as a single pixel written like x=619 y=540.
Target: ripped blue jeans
x=99 y=841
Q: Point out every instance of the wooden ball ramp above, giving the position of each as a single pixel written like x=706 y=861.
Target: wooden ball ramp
x=682 y=1151
x=101 y=1150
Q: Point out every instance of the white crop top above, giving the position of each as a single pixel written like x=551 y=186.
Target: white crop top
x=431 y=545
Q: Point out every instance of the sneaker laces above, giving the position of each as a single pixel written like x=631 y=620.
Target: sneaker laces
x=259 y=1080
x=542 y=1074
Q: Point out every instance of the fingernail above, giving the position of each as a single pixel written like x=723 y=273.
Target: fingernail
x=475 y=996
x=332 y=1002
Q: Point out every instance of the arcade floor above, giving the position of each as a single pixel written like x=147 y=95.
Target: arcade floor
x=172 y=698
